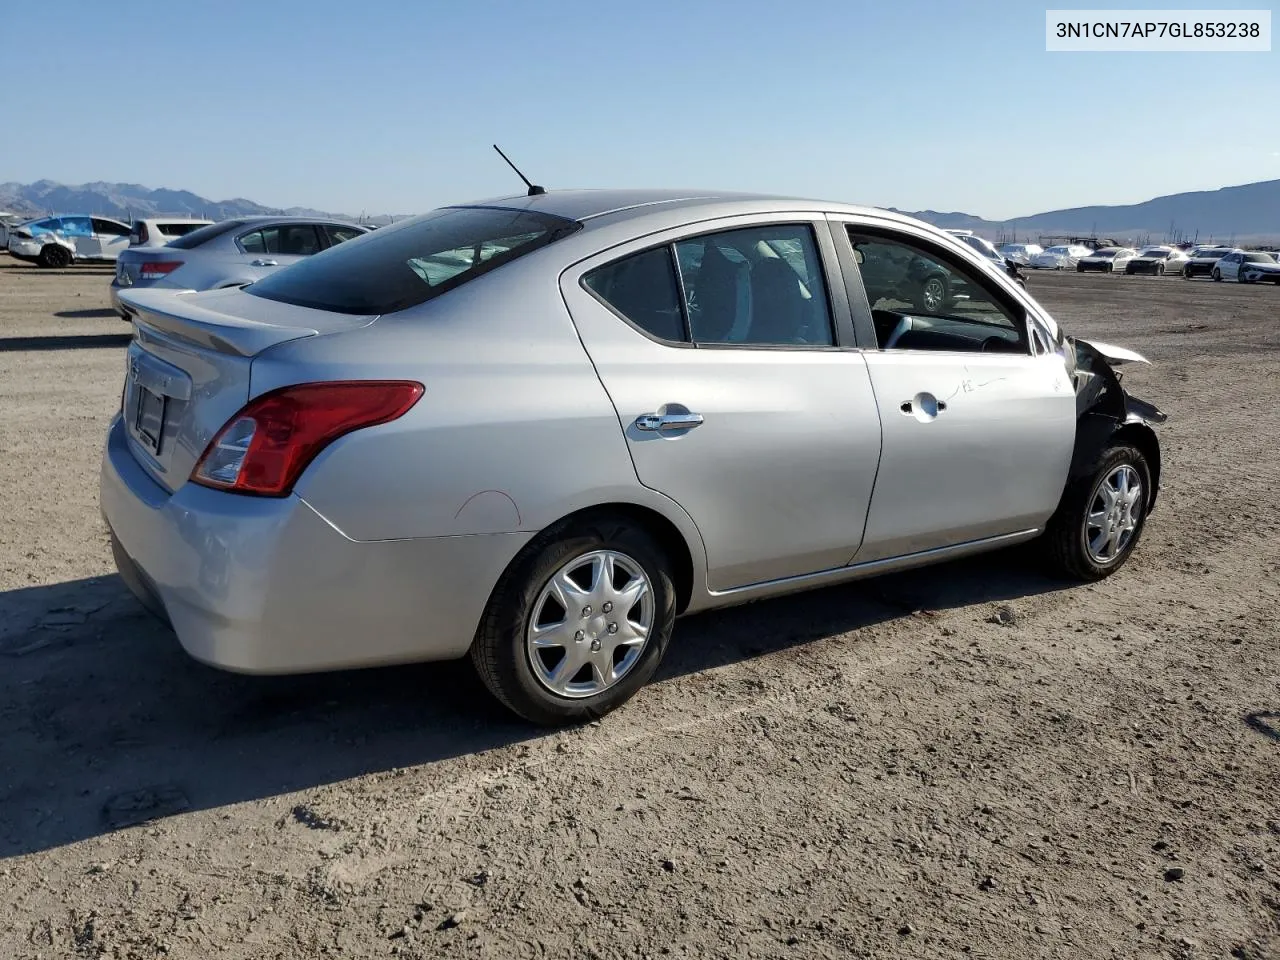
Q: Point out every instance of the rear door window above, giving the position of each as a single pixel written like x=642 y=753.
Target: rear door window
x=109 y=228
x=413 y=261
x=76 y=227
x=337 y=234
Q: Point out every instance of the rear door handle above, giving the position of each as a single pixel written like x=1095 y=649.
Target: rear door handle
x=667 y=422
x=264 y=263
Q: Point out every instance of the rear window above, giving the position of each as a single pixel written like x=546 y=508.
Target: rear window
x=1212 y=254
x=413 y=261
x=205 y=234
x=178 y=229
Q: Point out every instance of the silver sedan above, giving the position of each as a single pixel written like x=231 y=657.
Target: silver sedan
x=229 y=253
x=536 y=430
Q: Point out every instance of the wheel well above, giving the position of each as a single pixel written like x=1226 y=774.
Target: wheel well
x=1144 y=438
x=662 y=530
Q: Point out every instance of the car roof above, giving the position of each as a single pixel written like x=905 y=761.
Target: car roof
x=619 y=204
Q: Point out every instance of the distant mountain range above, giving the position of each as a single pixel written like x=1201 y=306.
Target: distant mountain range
x=124 y=200
x=1243 y=214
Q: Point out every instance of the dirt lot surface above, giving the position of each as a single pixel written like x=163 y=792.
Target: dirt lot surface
x=967 y=761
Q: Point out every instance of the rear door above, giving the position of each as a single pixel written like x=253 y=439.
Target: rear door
x=112 y=238
x=977 y=408
x=726 y=350
x=267 y=248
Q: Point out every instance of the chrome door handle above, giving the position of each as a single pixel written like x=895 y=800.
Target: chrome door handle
x=264 y=263
x=666 y=422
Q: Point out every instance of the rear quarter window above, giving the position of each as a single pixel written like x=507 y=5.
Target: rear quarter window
x=412 y=262
x=178 y=229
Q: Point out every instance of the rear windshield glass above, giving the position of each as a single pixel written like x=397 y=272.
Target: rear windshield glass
x=179 y=229
x=1105 y=253
x=407 y=264
x=1258 y=258
x=1212 y=254
x=204 y=234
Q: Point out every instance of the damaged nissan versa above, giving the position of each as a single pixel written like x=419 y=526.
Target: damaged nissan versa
x=536 y=430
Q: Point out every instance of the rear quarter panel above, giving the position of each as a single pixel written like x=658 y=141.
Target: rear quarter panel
x=514 y=431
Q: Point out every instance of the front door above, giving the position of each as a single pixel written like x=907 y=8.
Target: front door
x=979 y=416
x=80 y=232
x=720 y=354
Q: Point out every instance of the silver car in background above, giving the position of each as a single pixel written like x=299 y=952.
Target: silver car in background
x=230 y=253
x=537 y=429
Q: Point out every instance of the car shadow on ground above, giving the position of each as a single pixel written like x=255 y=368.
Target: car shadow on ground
x=108 y=723
x=70 y=341
x=87 y=314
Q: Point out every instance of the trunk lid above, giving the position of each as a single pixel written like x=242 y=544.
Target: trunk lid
x=189 y=365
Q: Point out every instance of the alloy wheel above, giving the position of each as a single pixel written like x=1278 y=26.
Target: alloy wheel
x=1115 y=510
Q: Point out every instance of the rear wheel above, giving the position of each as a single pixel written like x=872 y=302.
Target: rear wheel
x=579 y=622
x=1101 y=516
x=54 y=255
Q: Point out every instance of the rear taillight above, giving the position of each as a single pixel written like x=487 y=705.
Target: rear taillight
x=265 y=447
x=158 y=268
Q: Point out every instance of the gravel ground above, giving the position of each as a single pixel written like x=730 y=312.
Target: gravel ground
x=971 y=760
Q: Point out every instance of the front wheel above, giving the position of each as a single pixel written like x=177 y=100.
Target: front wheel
x=1217 y=275
x=53 y=255
x=1160 y=270
x=578 y=623
x=1101 y=516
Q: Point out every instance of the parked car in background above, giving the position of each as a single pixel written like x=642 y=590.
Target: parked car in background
x=1260 y=271
x=1228 y=268
x=157 y=231
x=480 y=433
x=1106 y=260
x=1158 y=260
x=1061 y=257
x=1021 y=253
x=988 y=249
x=8 y=221
x=64 y=240
x=1201 y=262
x=231 y=253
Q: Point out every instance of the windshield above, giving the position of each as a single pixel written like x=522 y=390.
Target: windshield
x=1057 y=251
x=413 y=261
x=1258 y=258
x=204 y=234
x=1156 y=252
x=1212 y=254
x=1105 y=254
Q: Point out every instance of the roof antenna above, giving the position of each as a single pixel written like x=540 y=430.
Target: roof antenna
x=534 y=189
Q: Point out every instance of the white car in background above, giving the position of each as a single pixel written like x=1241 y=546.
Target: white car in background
x=1062 y=257
x=158 y=231
x=1021 y=253
x=1106 y=259
x=1231 y=267
x=62 y=241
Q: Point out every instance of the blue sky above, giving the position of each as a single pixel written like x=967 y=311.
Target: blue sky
x=387 y=106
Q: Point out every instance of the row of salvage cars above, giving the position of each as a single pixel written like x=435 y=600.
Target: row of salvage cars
x=535 y=430
x=1212 y=261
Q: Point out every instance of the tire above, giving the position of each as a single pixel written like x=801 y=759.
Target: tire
x=503 y=654
x=53 y=255
x=1186 y=275
x=1128 y=271
x=1067 y=538
x=1111 y=268
x=1217 y=275
x=1079 y=268
x=933 y=294
x=1159 y=269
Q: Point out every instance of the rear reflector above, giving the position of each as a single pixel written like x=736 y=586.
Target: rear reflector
x=158 y=268
x=265 y=447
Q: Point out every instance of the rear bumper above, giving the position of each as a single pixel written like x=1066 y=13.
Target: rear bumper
x=258 y=585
